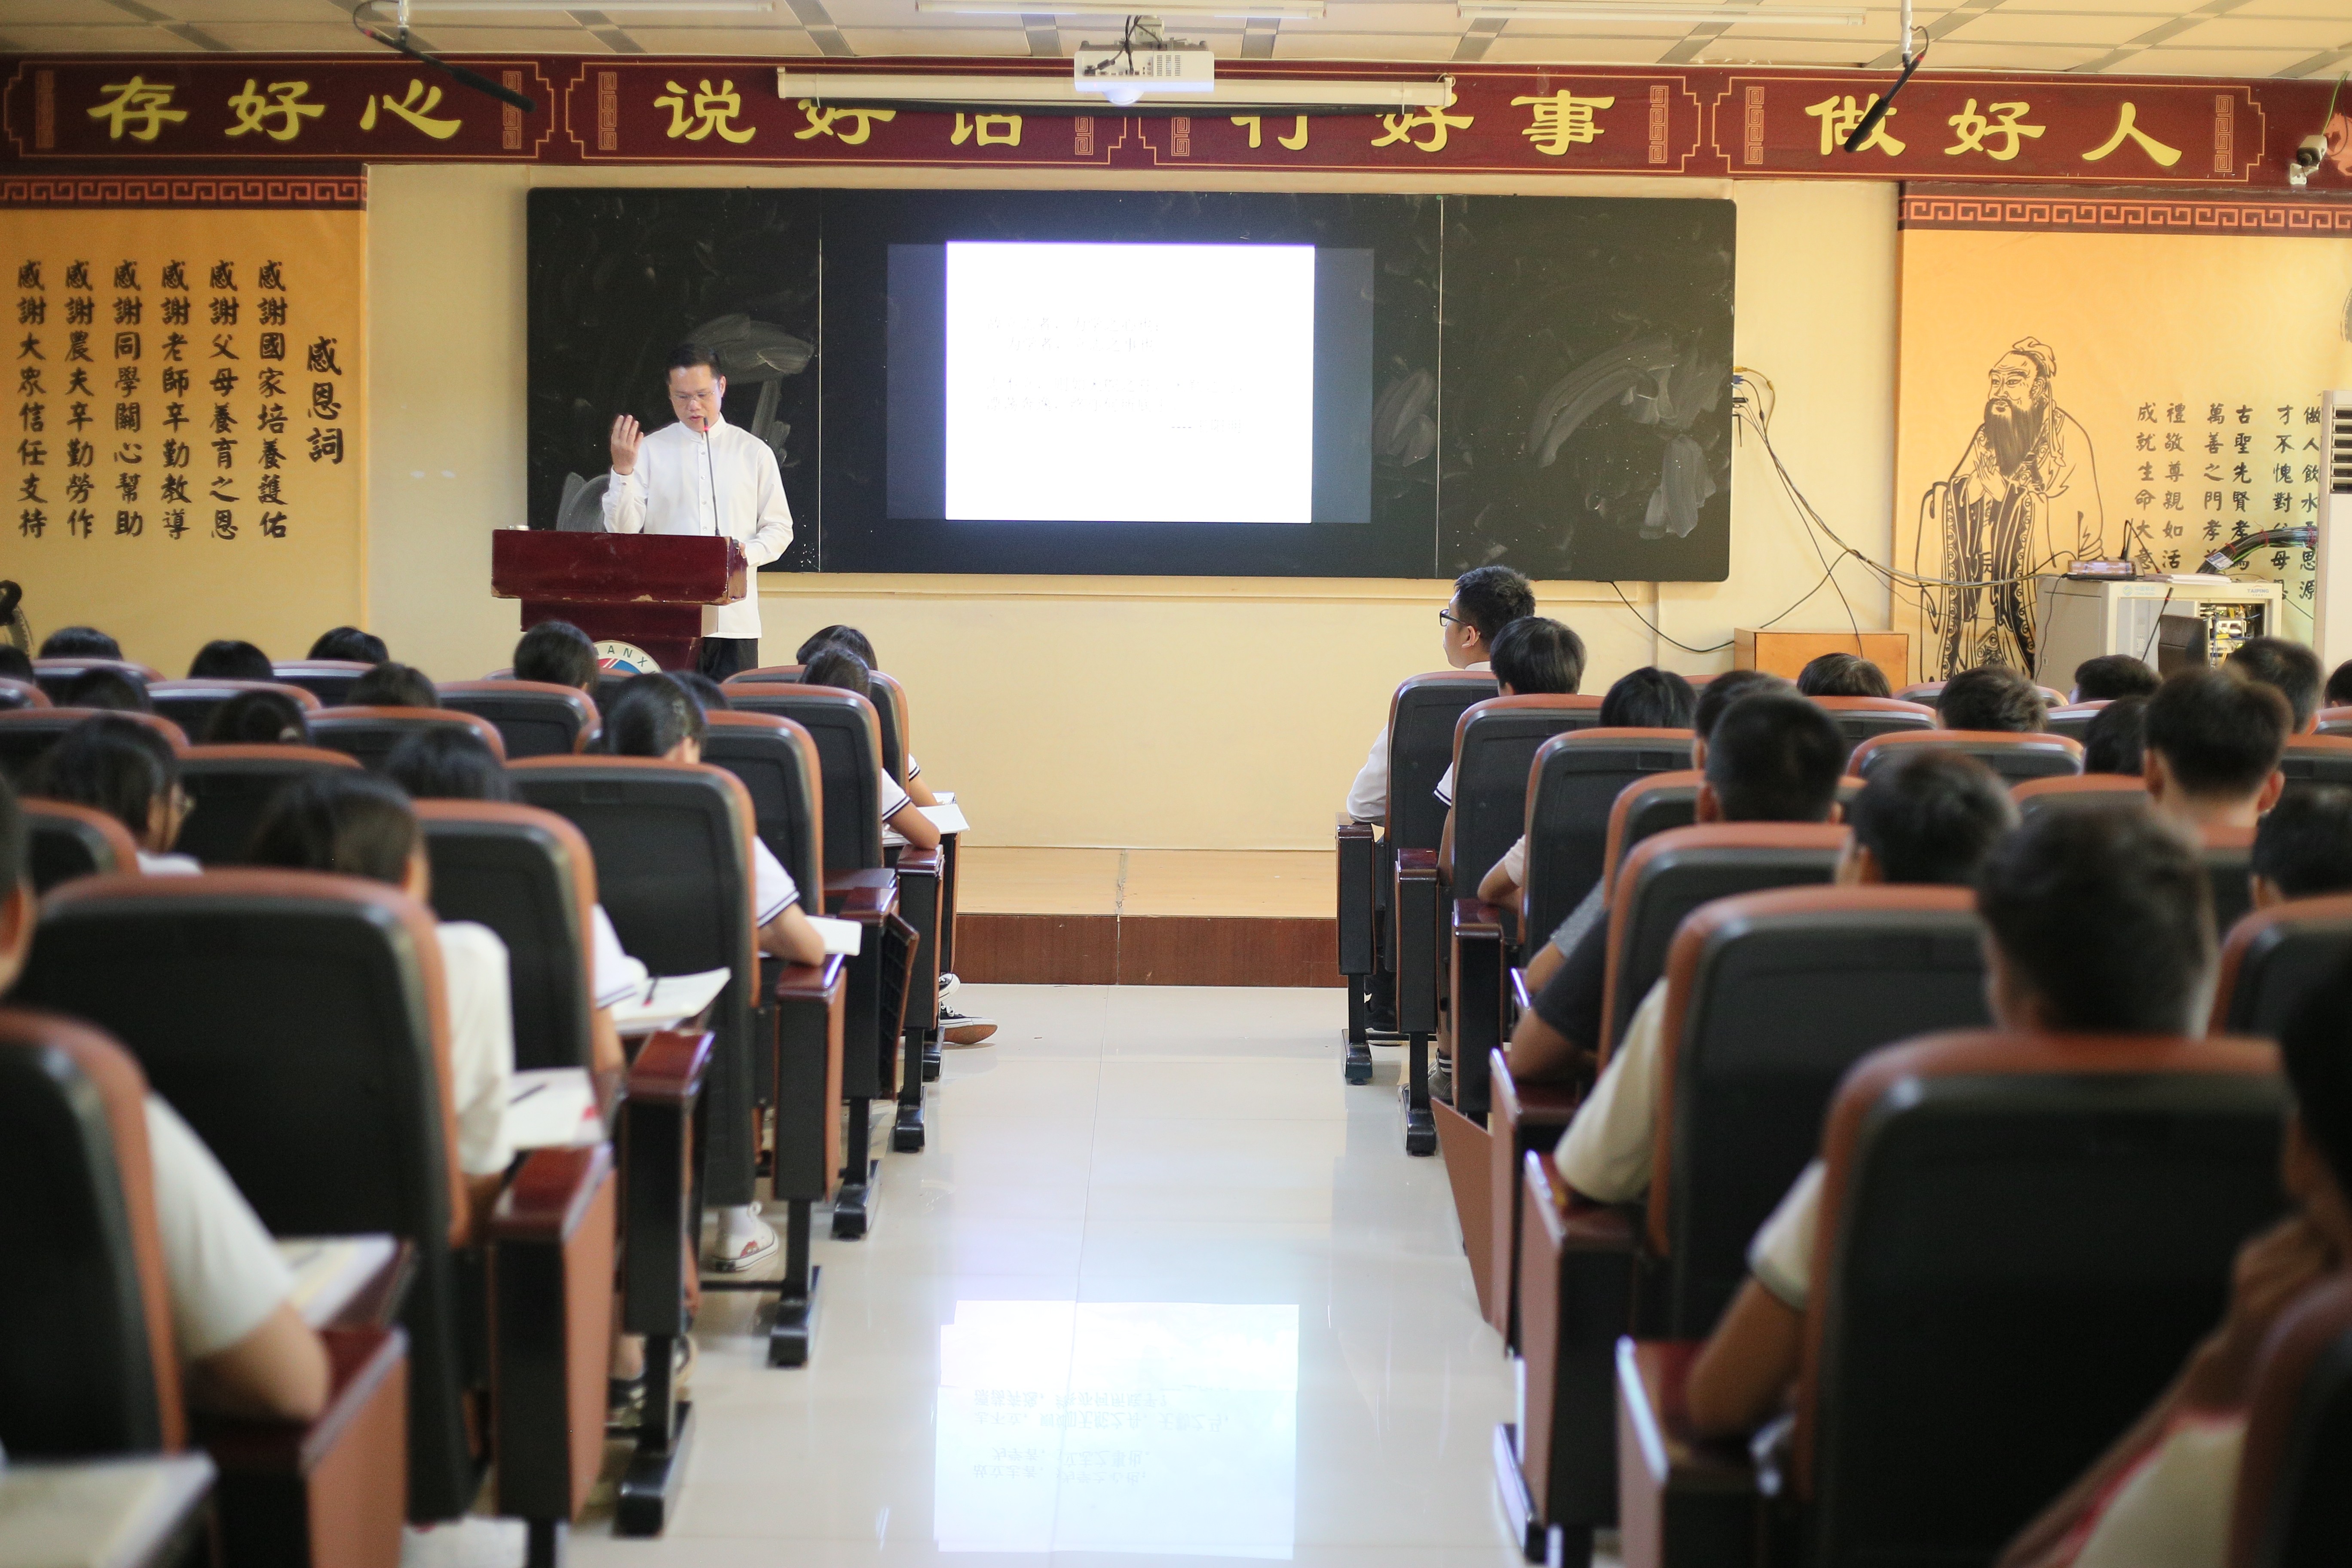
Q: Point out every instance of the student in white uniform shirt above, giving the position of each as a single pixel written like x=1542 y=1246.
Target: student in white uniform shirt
x=858 y=643
x=126 y=770
x=1533 y=657
x=2099 y=920
x=244 y=1348
x=1486 y=600
x=702 y=475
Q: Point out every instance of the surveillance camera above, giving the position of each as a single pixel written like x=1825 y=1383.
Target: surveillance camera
x=2307 y=156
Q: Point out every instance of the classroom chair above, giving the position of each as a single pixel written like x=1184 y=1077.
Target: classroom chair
x=1926 y=691
x=533 y=718
x=1860 y=719
x=88 y=1366
x=1521 y=1118
x=229 y=788
x=1649 y=805
x=2062 y=790
x=63 y=841
x=371 y=734
x=54 y=675
x=2013 y=756
x=765 y=675
x=2229 y=855
x=1990 y=1305
x=2292 y=1509
x=1771 y=998
x=2334 y=720
x=2272 y=959
x=2073 y=718
x=889 y=709
x=27 y=732
x=2316 y=760
x=1422 y=712
x=21 y=694
x=295 y=1020
x=327 y=679
x=190 y=703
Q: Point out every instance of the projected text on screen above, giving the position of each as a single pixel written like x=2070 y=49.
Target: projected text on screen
x=1130 y=382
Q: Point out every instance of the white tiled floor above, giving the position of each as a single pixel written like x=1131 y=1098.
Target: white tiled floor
x=1158 y=1217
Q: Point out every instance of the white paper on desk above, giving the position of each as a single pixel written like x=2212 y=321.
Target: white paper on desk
x=844 y=937
x=329 y=1270
x=944 y=797
x=552 y=1108
x=947 y=816
x=669 y=1000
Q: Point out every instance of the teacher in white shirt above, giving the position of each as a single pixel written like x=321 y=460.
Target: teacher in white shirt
x=702 y=475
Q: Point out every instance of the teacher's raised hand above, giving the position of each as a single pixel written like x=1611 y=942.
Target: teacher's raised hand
x=626 y=439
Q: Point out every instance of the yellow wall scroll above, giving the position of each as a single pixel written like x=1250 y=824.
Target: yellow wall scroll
x=186 y=456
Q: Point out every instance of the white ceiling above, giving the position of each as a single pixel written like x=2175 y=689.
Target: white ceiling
x=2170 y=38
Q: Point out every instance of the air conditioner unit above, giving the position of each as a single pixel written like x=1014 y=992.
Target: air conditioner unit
x=2331 y=594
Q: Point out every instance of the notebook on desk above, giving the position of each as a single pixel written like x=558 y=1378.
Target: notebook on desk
x=330 y=1270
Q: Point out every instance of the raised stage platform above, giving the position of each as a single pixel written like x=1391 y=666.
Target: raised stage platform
x=1148 y=917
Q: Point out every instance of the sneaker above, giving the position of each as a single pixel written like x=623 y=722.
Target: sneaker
x=956 y=1029
x=949 y=986
x=1440 y=1078
x=748 y=1254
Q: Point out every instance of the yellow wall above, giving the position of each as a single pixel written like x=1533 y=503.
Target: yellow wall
x=1178 y=713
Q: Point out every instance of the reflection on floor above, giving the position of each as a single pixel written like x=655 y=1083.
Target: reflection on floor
x=1161 y=1291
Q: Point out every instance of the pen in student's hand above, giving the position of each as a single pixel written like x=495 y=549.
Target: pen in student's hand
x=525 y=1094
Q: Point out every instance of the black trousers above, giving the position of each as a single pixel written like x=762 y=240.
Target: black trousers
x=723 y=657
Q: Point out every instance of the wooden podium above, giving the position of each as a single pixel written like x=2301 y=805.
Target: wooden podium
x=644 y=589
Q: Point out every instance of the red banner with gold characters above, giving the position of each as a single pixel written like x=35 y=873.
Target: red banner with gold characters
x=1706 y=121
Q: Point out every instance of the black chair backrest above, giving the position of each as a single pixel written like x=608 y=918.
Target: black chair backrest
x=1422 y=717
x=229 y=787
x=84 y=1370
x=778 y=763
x=2292 y=1507
x=848 y=739
x=2229 y=854
x=191 y=704
x=327 y=679
x=27 y=732
x=2317 y=760
x=533 y=718
x=2074 y=721
x=2025 y=1237
x=290 y=1016
x=1860 y=719
x=63 y=841
x=1575 y=779
x=1645 y=807
x=2014 y=757
x=1771 y=998
x=528 y=875
x=54 y=675
x=2273 y=957
x=1495 y=743
x=21 y=694
x=371 y=734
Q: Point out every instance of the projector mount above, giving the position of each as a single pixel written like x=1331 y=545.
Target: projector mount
x=1145 y=59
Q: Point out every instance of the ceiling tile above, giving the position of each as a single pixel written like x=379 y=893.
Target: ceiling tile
x=1953 y=54
x=991 y=42
x=1734 y=50
x=135 y=38
x=2305 y=36
x=1363 y=47
x=1582 y=50
x=2013 y=25
x=760 y=42
x=2187 y=61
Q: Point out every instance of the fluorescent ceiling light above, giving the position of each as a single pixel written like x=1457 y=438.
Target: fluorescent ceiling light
x=1253 y=93
x=1571 y=11
x=1269 y=10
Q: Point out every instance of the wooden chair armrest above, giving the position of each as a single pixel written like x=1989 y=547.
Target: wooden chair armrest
x=1359 y=871
x=819 y=983
x=1682 y=1502
x=1480 y=1028
x=1419 y=919
x=334 y=1491
x=862 y=896
x=1416 y=864
x=1477 y=917
x=1573 y=1223
x=553 y=1236
x=812 y=1002
x=669 y=1070
x=916 y=862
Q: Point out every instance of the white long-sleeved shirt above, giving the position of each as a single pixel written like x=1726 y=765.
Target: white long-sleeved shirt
x=1368 y=797
x=671 y=491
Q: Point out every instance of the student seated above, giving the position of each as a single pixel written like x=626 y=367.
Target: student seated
x=15 y=664
x=1486 y=600
x=258 y=718
x=1532 y=657
x=2214 y=741
x=114 y=690
x=1842 y=675
x=2162 y=1496
x=2112 y=677
x=2098 y=920
x=351 y=645
x=2303 y=849
x=902 y=821
x=1991 y=697
x=357 y=826
x=2339 y=685
x=655 y=716
x=860 y=644
x=703 y=689
x=560 y=654
x=2288 y=668
x=1645 y=699
x=454 y=764
x=244 y=1347
x=1771 y=756
x=1929 y=818
x=80 y=642
x=223 y=659
x=2115 y=740
x=124 y=769
x=390 y=685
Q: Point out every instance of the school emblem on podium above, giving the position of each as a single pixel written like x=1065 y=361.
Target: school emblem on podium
x=625 y=659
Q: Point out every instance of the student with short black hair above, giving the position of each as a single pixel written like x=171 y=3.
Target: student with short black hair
x=1991 y=697
x=1533 y=657
x=2115 y=740
x=2339 y=685
x=15 y=664
x=241 y=1341
x=126 y=770
x=903 y=821
x=114 y=690
x=1842 y=675
x=351 y=645
x=705 y=691
x=2113 y=675
x=1486 y=600
x=2303 y=846
x=2099 y=920
x=390 y=685
x=80 y=642
x=1771 y=756
x=2287 y=667
x=558 y=653
x=226 y=658
x=849 y=638
x=2214 y=742
x=258 y=718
